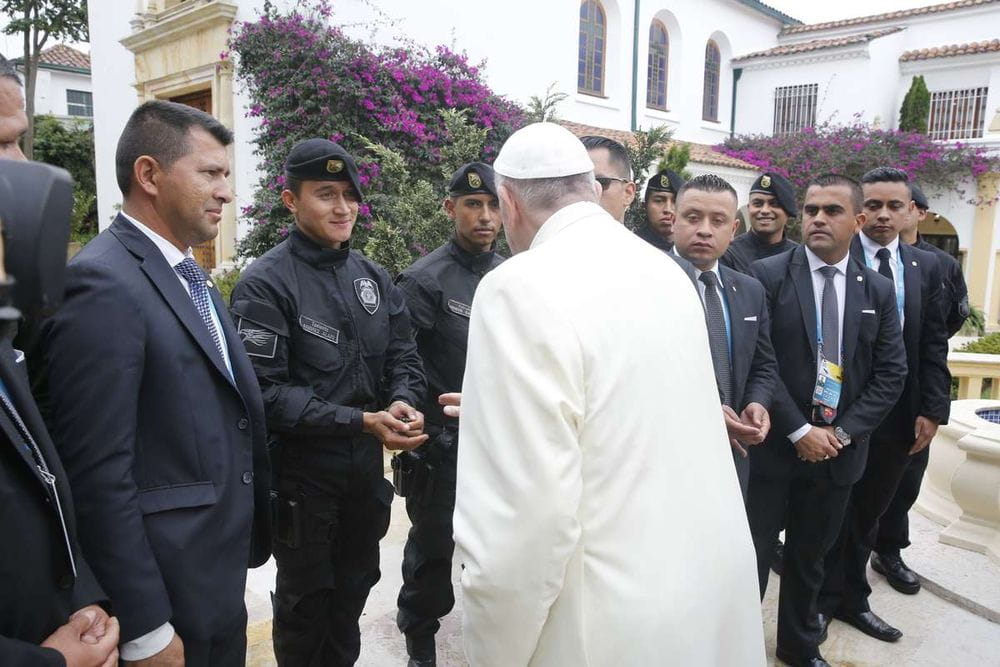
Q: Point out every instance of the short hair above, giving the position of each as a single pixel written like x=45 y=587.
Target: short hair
x=293 y=184
x=549 y=194
x=885 y=175
x=618 y=153
x=9 y=71
x=833 y=180
x=708 y=183
x=159 y=129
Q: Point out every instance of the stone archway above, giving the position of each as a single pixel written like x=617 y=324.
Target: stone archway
x=938 y=230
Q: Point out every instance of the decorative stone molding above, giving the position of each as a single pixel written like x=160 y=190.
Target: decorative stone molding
x=170 y=25
x=961 y=488
x=807 y=58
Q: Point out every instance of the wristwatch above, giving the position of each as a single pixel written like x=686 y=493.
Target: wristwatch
x=842 y=436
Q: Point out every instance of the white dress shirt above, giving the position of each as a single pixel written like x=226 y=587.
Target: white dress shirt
x=156 y=640
x=840 y=285
x=871 y=247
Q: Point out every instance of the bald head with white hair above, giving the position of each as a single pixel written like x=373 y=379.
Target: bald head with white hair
x=541 y=168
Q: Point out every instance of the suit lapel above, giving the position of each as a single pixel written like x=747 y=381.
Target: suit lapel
x=800 y=274
x=854 y=301
x=912 y=281
x=16 y=391
x=231 y=339
x=736 y=303
x=858 y=250
x=166 y=282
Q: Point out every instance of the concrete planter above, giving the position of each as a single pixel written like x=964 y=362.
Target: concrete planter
x=961 y=489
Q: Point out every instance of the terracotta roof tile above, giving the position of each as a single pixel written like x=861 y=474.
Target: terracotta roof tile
x=818 y=45
x=65 y=56
x=700 y=153
x=992 y=46
x=888 y=16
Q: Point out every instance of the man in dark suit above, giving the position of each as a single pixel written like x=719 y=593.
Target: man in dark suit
x=155 y=406
x=924 y=404
x=840 y=371
x=894 y=526
x=49 y=613
x=735 y=312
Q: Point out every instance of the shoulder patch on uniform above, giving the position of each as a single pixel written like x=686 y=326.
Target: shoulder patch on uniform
x=459 y=308
x=317 y=328
x=368 y=295
x=259 y=342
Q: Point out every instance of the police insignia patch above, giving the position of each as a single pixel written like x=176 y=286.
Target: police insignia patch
x=474 y=180
x=334 y=166
x=258 y=342
x=367 y=291
x=664 y=181
x=765 y=181
x=459 y=308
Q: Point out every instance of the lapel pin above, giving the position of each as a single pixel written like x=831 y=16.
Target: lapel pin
x=914 y=262
x=861 y=279
x=210 y=283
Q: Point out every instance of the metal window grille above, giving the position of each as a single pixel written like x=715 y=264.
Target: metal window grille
x=656 y=72
x=794 y=108
x=79 y=103
x=590 y=70
x=710 y=94
x=957 y=114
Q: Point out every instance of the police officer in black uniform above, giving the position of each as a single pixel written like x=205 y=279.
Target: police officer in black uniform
x=894 y=525
x=772 y=203
x=439 y=290
x=661 y=208
x=333 y=350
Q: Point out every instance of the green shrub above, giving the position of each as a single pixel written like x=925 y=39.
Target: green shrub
x=988 y=344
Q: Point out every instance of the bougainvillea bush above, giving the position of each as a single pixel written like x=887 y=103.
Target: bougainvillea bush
x=855 y=148
x=306 y=78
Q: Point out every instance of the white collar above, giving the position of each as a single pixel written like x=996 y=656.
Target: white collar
x=815 y=263
x=566 y=216
x=871 y=247
x=167 y=249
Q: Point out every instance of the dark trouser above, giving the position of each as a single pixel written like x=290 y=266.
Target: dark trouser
x=324 y=580
x=811 y=508
x=227 y=649
x=427 y=594
x=845 y=588
x=894 y=526
x=742 y=473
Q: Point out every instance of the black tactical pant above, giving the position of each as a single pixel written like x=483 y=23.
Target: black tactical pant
x=326 y=547
x=426 y=595
x=894 y=526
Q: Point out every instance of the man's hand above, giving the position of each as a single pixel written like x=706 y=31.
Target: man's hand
x=452 y=403
x=171 y=656
x=69 y=641
x=392 y=432
x=404 y=412
x=98 y=619
x=755 y=414
x=924 y=431
x=819 y=444
x=738 y=431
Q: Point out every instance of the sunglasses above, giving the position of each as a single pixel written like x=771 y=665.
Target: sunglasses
x=606 y=181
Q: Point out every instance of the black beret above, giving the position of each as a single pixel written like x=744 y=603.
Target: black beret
x=322 y=160
x=779 y=187
x=918 y=196
x=665 y=181
x=474 y=178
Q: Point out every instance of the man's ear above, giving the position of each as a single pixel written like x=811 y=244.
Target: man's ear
x=449 y=207
x=146 y=174
x=290 y=201
x=629 y=193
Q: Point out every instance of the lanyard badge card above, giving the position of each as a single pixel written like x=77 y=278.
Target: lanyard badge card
x=826 y=395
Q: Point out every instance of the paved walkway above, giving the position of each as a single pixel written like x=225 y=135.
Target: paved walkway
x=936 y=632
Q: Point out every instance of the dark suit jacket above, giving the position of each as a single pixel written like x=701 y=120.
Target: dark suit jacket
x=873 y=361
x=755 y=370
x=927 y=391
x=36 y=573
x=161 y=445
x=954 y=291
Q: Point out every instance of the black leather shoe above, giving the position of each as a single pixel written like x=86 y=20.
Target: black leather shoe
x=900 y=577
x=824 y=626
x=777 y=557
x=793 y=661
x=870 y=624
x=421 y=651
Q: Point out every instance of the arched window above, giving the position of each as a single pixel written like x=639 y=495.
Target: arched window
x=593 y=34
x=656 y=71
x=710 y=94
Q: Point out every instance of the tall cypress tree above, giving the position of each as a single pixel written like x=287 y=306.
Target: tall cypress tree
x=916 y=107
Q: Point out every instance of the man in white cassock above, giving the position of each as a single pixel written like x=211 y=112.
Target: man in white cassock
x=598 y=520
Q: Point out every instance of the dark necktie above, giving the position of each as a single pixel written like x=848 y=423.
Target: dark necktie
x=717 y=340
x=830 y=316
x=883 y=255
x=195 y=277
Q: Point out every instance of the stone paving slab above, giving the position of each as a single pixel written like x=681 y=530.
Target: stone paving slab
x=936 y=632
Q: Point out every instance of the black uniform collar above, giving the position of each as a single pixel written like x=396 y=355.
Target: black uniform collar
x=315 y=254
x=649 y=234
x=761 y=243
x=478 y=262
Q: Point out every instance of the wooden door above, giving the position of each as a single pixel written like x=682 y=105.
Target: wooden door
x=204 y=254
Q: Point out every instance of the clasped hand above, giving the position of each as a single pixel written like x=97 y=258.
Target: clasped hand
x=398 y=427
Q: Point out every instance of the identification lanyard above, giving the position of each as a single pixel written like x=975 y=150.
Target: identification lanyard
x=829 y=383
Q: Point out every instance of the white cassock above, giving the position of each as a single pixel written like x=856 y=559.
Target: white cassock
x=599 y=519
